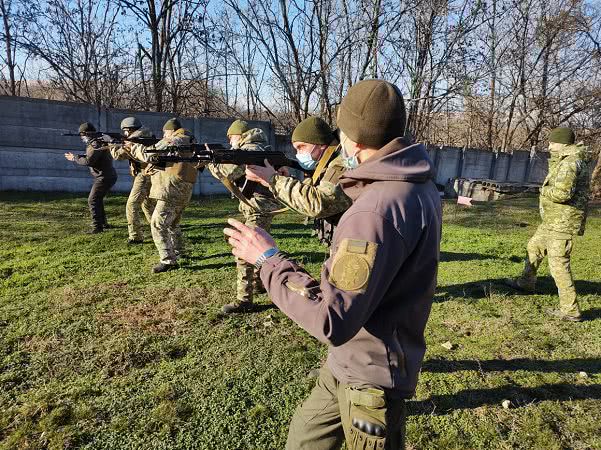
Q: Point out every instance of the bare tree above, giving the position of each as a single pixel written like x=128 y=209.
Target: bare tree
x=76 y=39
x=12 y=27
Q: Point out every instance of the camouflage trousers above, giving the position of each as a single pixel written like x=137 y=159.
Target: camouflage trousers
x=558 y=248
x=166 y=232
x=335 y=412
x=139 y=203
x=247 y=279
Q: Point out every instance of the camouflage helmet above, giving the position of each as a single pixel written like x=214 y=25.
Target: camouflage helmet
x=86 y=127
x=131 y=122
x=237 y=127
x=172 y=124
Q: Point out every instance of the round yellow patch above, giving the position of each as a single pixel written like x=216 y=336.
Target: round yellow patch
x=350 y=272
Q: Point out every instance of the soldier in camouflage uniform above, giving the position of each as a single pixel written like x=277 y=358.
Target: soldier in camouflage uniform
x=319 y=196
x=258 y=212
x=172 y=187
x=139 y=201
x=563 y=205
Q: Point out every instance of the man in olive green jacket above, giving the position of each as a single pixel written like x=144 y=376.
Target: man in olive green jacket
x=320 y=195
x=564 y=197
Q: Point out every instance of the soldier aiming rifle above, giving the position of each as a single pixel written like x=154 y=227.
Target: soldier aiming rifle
x=98 y=159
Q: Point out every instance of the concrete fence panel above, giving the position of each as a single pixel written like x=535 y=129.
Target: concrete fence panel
x=477 y=163
x=517 y=170
x=539 y=168
x=448 y=164
x=32 y=146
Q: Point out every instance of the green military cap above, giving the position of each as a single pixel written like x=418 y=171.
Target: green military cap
x=313 y=130
x=131 y=122
x=237 y=127
x=562 y=135
x=372 y=113
x=172 y=124
x=87 y=127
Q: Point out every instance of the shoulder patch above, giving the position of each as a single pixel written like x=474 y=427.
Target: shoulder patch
x=353 y=264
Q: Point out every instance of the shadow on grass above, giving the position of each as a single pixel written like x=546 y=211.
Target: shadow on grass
x=287 y=235
x=453 y=256
x=546 y=285
x=213 y=225
x=591 y=314
x=291 y=226
x=518 y=395
x=201 y=266
x=257 y=308
x=474 y=290
x=482 y=288
x=217 y=255
x=591 y=366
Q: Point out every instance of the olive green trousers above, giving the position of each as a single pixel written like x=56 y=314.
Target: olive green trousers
x=334 y=412
x=139 y=203
x=558 y=248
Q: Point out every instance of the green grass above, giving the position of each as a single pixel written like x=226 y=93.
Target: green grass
x=98 y=353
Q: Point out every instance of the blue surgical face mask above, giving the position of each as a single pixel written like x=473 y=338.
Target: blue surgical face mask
x=305 y=161
x=350 y=162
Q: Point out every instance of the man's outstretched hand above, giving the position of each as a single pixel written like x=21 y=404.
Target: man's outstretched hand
x=248 y=243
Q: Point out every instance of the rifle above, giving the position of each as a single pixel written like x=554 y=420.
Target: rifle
x=117 y=138
x=219 y=154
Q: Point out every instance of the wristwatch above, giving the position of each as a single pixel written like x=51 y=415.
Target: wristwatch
x=266 y=254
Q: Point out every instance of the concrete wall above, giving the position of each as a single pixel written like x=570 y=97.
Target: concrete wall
x=32 y=146
x=519 y=166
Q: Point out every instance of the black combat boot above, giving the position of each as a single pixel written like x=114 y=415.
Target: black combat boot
x=239 y=306
x=160 y=267
x=135 y=241
x=559 y=314
x=95 y=230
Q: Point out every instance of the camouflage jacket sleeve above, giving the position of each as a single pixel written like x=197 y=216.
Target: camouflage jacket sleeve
x=138 y=153
x=230 y=171
x=323 y=200
x=561 y=188
x=118 y=152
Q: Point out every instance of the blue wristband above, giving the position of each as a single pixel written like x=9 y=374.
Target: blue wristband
x=266 y=254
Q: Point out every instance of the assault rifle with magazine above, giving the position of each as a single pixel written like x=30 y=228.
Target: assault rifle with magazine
x=202 y=154
x=116 y=138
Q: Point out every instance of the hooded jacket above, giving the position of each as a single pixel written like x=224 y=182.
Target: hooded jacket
x=376 y=290
x=565 y=192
